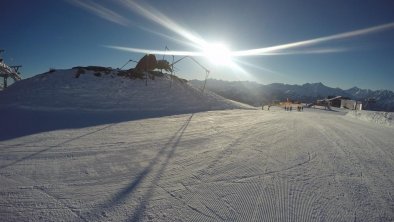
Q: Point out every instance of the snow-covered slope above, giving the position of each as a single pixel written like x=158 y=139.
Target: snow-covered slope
x=231 y=165
x=382 y=118
x=90 y=96
x=92 y=90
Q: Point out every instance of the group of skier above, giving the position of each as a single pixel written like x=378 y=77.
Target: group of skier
x=290 y=108
x=286 y=107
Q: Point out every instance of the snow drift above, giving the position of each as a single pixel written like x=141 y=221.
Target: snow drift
x=382 y=118
x=102 y=89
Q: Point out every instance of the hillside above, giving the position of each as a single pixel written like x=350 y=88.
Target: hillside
x=89 y=96
x=257 y=94
x=105 y=89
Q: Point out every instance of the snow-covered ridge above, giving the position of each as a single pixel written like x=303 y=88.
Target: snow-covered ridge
x=381 y=118
x=105 y=90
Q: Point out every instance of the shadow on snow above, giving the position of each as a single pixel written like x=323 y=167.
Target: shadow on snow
x=15 y=123
x=51 y=147
x=155 y=168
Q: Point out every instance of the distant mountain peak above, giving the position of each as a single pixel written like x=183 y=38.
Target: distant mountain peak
x=320 y=84
x=308 y=92
x=354 y=88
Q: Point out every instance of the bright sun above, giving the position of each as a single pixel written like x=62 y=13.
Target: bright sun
x=218 y=54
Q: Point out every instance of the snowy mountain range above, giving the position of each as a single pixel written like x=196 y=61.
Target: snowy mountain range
x=256 y=94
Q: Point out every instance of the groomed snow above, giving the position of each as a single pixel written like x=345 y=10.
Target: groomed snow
x=233 y=165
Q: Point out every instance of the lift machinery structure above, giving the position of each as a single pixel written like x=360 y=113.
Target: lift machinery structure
x=8 y=72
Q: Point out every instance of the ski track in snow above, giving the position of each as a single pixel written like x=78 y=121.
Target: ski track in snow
x=234 y=165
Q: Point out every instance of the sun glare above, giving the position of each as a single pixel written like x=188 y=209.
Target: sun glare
x=218 y=54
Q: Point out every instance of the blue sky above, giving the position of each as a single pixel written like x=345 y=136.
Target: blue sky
x=43 y=34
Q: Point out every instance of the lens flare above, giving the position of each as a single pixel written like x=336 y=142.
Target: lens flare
x=217 y=53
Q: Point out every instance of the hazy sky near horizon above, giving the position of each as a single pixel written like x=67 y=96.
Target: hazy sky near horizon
x=43 y=34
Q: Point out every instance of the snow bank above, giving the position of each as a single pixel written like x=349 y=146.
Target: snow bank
x=382 y=118
x=106 y=91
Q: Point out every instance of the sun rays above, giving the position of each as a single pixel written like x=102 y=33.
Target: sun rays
x=217 y=53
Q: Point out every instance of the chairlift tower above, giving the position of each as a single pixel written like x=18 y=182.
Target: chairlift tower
x=130 y=60
x=199 y=64
x=8 y=71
